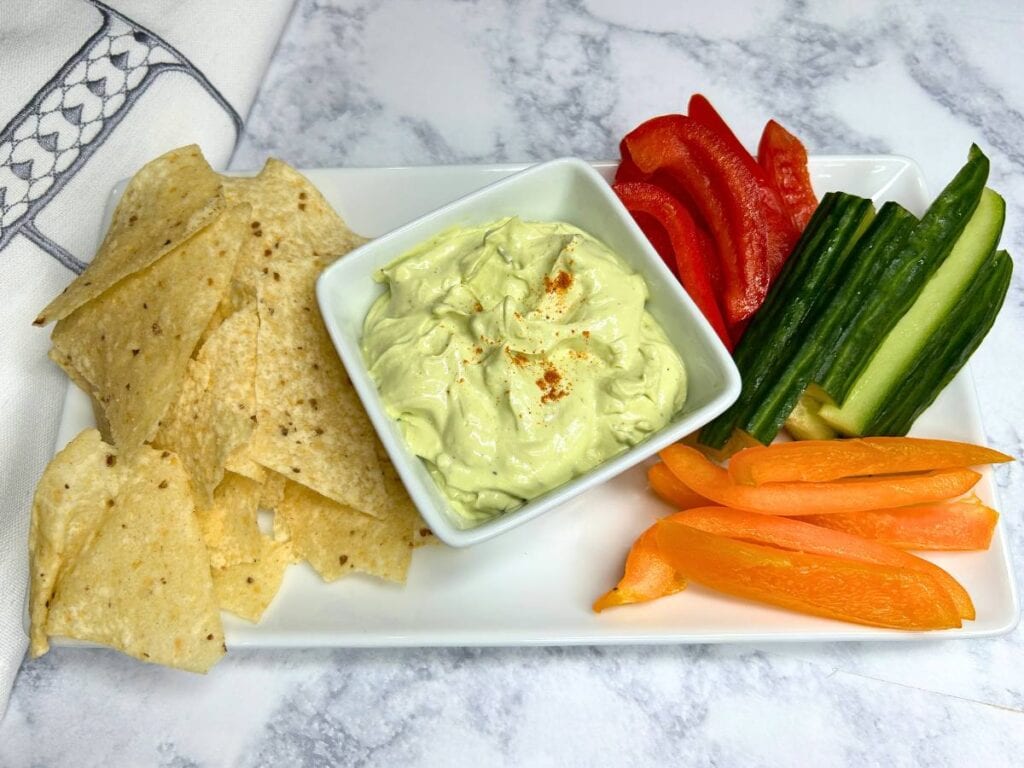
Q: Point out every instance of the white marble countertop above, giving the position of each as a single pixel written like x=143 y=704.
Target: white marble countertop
x=386 y=82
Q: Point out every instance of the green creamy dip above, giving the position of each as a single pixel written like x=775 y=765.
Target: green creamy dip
x=516 y=356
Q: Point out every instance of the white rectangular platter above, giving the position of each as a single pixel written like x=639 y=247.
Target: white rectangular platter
x=535 y=585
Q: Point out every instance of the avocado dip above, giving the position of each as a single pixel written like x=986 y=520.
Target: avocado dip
x=516 y=356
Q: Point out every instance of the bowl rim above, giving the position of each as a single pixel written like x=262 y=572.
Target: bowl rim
x=350 y=353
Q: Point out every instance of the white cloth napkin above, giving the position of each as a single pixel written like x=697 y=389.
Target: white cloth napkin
x=88 y=93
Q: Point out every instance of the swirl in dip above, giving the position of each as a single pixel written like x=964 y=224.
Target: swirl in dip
x=516 y=356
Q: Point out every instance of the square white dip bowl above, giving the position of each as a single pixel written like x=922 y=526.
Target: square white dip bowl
x=566 y=190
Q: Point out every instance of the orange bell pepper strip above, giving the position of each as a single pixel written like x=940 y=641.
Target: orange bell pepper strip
x=965 y=524
x=819 y=461
x=671 y=489
x=647 y=576
x=852 y=495
x=848 y=590
x=787 y=533
x=737 y=441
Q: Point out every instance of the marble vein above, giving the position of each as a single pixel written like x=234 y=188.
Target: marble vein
x=383 y=82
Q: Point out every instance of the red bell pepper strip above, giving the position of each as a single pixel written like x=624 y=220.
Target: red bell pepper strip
x=736 y=330
x=784 y=158
x=627 y=170
x=700 y=109
x=726 y=194
x=782 y=233
x=659 y=238
x=691 y=261
x=715 y=263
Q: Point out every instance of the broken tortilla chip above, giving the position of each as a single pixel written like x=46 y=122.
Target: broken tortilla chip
x=311 y=426
x=132 y=345
x=166 y=202
x=73 y=497
x=64 y=361
x=230 y=528
x=246 y=589
x=402 y=502
x=422 y=536
x=216 y=411
x=273 y=490
x=337 y=540
x=142 y=583
x=196 y=328
x=241 y=463
x=286 y=209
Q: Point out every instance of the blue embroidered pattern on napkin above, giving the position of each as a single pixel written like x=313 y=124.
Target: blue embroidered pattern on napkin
x=70 y=117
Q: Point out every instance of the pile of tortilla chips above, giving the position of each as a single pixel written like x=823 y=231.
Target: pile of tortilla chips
x=196 y=332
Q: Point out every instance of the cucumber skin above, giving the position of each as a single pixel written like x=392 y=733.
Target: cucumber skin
x=718 y=431
x=902 y=281
x=807 y=275
x=868 y=274
x=856 y=278
x=901 y=351
x=962 y=332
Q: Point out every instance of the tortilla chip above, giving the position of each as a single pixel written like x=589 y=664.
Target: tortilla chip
x=273 y=490
x=142 y=584
x=230 y=529
x=286 y=208
x=242 y=464
x=270 y=499
x=402 y=502
x=280 y=530
x=215 y=414
x=422 y=536
x=246 y=589
x=72 y=499
x=223 y=311
x=79 y=381
x=132 y=345
x=166 y=203
x=337 y=540
x=311 y=426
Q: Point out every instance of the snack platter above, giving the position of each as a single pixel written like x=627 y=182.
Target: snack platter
x=535 y=585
